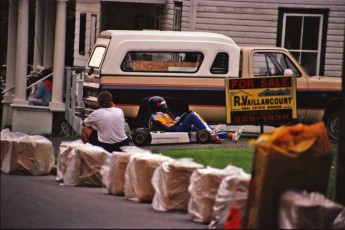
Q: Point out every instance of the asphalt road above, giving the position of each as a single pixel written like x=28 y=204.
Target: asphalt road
x=40 y=202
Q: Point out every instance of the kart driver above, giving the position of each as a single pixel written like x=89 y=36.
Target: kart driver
x=187 y=122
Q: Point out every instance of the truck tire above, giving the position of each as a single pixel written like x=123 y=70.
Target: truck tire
x=203 y=136
x=332 y=123
x=141 y=137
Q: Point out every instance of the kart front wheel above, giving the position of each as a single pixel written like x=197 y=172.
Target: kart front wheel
x=203 y=136
x=141 y=137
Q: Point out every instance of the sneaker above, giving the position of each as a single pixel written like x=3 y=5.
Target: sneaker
x=217 y=139
x=240 y=131
x=218 y=129
x=234 y=137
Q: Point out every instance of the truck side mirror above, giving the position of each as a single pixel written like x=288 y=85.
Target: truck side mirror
x=288 y=72
x=90 y=71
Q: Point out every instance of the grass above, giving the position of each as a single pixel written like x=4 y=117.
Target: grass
x=220 y=157
x=215 y=157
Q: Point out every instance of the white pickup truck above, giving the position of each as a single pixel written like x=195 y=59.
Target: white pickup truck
x=189 y=70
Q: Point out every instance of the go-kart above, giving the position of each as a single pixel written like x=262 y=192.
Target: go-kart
x=155 y=135
x=147 y=136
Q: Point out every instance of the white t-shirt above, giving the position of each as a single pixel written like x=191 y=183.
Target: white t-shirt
x=110 y=124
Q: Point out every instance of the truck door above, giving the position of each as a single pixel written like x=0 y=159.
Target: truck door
x=279 y=63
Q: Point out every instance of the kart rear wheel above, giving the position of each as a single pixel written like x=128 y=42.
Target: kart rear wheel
x=203 y=136
x=141 y=137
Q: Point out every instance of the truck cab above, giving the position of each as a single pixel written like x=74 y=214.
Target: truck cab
x=318 y=97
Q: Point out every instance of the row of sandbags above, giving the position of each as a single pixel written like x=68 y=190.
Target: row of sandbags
x=25 y=154
x=288 y=158
x=169 y=184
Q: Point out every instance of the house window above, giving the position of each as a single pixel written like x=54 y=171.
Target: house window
x=303 y=33
x=177 y=16
x=82 y=33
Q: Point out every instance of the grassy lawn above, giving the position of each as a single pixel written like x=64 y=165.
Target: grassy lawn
x=241 y=157
x=216 y=157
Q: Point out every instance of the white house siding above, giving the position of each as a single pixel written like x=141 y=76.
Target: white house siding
x=89 y=7
x=254 y=22
x=167 y=16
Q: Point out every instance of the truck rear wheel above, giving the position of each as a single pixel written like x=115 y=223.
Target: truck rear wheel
x=332 y=123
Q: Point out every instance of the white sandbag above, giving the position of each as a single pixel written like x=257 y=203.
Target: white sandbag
x=139 y=172
x=66 y=151
x=115 y=174
x=24 y=154
x=203 y=189
x=233 y=191
x=170 y=182
x=85 y=165
x=303 y=210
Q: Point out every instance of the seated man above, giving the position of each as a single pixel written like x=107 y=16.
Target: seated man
x=109 y=123
x=42 y=94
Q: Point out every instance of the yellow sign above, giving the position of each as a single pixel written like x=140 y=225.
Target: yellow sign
x=261 y=101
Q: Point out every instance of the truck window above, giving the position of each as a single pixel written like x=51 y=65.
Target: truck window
x=220 y=64
x=97 y=57
x=272 y=64
x=139 y=61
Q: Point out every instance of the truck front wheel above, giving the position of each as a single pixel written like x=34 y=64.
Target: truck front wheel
x=332 y=123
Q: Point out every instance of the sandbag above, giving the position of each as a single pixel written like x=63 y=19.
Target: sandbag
x=288 y=158
x=203 y=189
x=303 y=210
x=66 y=151
x=232 y=191
x=170 y=182
x=25 y=154
x=85 y=165
x=139 y=172
x=113 y=173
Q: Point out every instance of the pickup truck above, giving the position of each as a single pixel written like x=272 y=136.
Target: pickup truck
x=189 y=69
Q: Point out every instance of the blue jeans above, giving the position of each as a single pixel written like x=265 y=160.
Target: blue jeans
x=191 y=121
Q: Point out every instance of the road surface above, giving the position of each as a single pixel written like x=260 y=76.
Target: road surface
x=33 y=202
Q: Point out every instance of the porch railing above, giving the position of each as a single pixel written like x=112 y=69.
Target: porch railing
x=74 y=94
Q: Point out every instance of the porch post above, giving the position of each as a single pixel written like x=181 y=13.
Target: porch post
x=59 y=57
x=49 y=24
x=11 y=63
x=39 y=39
x=22 y=53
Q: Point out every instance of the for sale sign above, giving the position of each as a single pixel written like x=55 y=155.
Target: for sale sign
x=261 y=101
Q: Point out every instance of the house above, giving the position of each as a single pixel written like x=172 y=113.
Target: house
x=314 y=31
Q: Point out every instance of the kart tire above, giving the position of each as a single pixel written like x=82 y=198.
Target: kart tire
x=141 y=137
x=203 y=136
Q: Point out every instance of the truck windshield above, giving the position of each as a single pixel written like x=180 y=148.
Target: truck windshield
x=272 y=64
x=97 y=57
x=139 y=61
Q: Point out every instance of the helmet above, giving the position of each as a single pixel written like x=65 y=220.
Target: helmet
x=157 y=104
